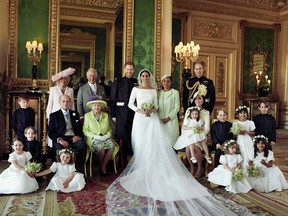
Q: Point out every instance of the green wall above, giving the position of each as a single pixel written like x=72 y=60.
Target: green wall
x=33 y=24
x=254 y=37
x=100 y=47
x=143 y=41
x=176 y=38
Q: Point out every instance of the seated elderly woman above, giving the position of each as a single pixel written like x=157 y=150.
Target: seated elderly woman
x=97 y=131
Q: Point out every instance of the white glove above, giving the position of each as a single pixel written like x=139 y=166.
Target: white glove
x=107 y=136
x=97 y=137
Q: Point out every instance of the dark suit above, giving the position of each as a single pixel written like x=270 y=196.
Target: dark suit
x=220 y=132
x=57 y=129
x=266 y=125
x=188 y=94
x=21 y=119
x=83 y=95
x=119 y=97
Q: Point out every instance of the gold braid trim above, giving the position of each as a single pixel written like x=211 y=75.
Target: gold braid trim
x=191 y=89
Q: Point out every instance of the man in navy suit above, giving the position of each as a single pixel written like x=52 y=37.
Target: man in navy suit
x=91 y=88
x=65 y=131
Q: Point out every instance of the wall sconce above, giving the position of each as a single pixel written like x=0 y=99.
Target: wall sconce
x=187 y=53
x=34 y=57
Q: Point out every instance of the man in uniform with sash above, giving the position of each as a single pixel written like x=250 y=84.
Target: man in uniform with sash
x=191 y=86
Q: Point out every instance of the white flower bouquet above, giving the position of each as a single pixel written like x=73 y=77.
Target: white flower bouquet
x=238 y=174
x=146 y=107
x=253 y=171
x=236 y=128
x=33 y=167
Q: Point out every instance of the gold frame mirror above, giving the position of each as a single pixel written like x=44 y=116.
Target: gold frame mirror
x=258 y=61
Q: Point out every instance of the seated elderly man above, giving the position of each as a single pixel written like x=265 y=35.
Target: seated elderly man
x=65 y=131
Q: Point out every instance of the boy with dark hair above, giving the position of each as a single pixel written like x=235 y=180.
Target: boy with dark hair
x=265 y=123
x=23 y=117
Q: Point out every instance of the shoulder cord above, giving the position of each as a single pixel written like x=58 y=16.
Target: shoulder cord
x=191 y=89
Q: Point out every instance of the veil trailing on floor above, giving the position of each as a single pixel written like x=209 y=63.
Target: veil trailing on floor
x=155 y=182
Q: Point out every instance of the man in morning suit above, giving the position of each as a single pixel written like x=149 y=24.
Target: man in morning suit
x=65 y=131
x=191 y=86
x=120 y=112
x=91 y=88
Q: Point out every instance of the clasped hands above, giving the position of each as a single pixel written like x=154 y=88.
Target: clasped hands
x=101 y=138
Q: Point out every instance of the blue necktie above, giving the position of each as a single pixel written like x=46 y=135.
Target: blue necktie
x=66 y=114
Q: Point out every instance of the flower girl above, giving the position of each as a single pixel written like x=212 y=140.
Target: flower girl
x=15 y=179
x=246 y=130
x=229 y=173
x=192 y=133
x=66 y=178
x=271 y=178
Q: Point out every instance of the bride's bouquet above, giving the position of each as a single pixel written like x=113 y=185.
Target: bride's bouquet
x=33 y=167
x=253 y=171
x=238 y=174
x=236 y=128
x=146 y=107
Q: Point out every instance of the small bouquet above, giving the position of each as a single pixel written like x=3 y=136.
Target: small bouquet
x=146 y=107
x=238 y=174
x=253 y=171
x=197 y=130
x=33 y=167
x=235 y=129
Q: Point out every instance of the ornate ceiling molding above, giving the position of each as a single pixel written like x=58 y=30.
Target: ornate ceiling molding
x=102 y=4
x=226 y=9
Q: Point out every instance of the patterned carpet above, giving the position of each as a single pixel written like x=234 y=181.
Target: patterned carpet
x=91 y=200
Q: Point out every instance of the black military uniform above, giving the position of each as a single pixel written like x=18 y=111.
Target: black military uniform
x=191 y=86
x=119 y=97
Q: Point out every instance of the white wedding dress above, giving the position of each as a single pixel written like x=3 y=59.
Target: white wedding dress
x=156 y=182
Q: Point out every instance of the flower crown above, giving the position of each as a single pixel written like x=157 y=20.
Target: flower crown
x=70 y=151
x=194 y=107
x=241 y=108
x=228 y=144
x=255 y=138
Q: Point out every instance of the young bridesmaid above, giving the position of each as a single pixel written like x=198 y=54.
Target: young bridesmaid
x=15 y=179
x=271 y=178
x=66 y=179
x=223 y=174
x=192 y=133
x=244 y=139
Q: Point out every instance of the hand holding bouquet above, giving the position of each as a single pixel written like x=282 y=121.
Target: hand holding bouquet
x=197 y=130
x=253 y=171
x=238 y=174
x=33 y=167
x=147 y=107
x=236 y=129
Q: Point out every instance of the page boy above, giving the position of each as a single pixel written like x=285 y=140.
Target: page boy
x=23 y=117
x=265 y=123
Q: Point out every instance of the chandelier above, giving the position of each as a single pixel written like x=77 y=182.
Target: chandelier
x=187 y=53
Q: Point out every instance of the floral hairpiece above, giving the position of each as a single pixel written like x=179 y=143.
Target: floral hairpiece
x=66 y=150
x=202 y=90
x=241 y=108
x=228 y=144
x=255 y=138
x=194 y=107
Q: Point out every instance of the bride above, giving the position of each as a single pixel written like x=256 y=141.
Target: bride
x=156 y=182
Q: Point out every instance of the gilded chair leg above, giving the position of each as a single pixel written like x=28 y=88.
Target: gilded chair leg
x=91 y=159
x=85 y=170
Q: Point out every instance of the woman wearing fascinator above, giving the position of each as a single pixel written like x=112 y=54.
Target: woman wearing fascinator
x=198 y=101
x=155 y=179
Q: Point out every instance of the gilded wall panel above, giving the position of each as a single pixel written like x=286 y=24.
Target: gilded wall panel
x=204 y=28
x=220 y=76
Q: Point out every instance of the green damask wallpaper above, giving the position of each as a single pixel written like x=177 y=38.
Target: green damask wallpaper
x=176 y=38
x=33 y=24
x=254 y=37
x=100 y=47
x=143 y=41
